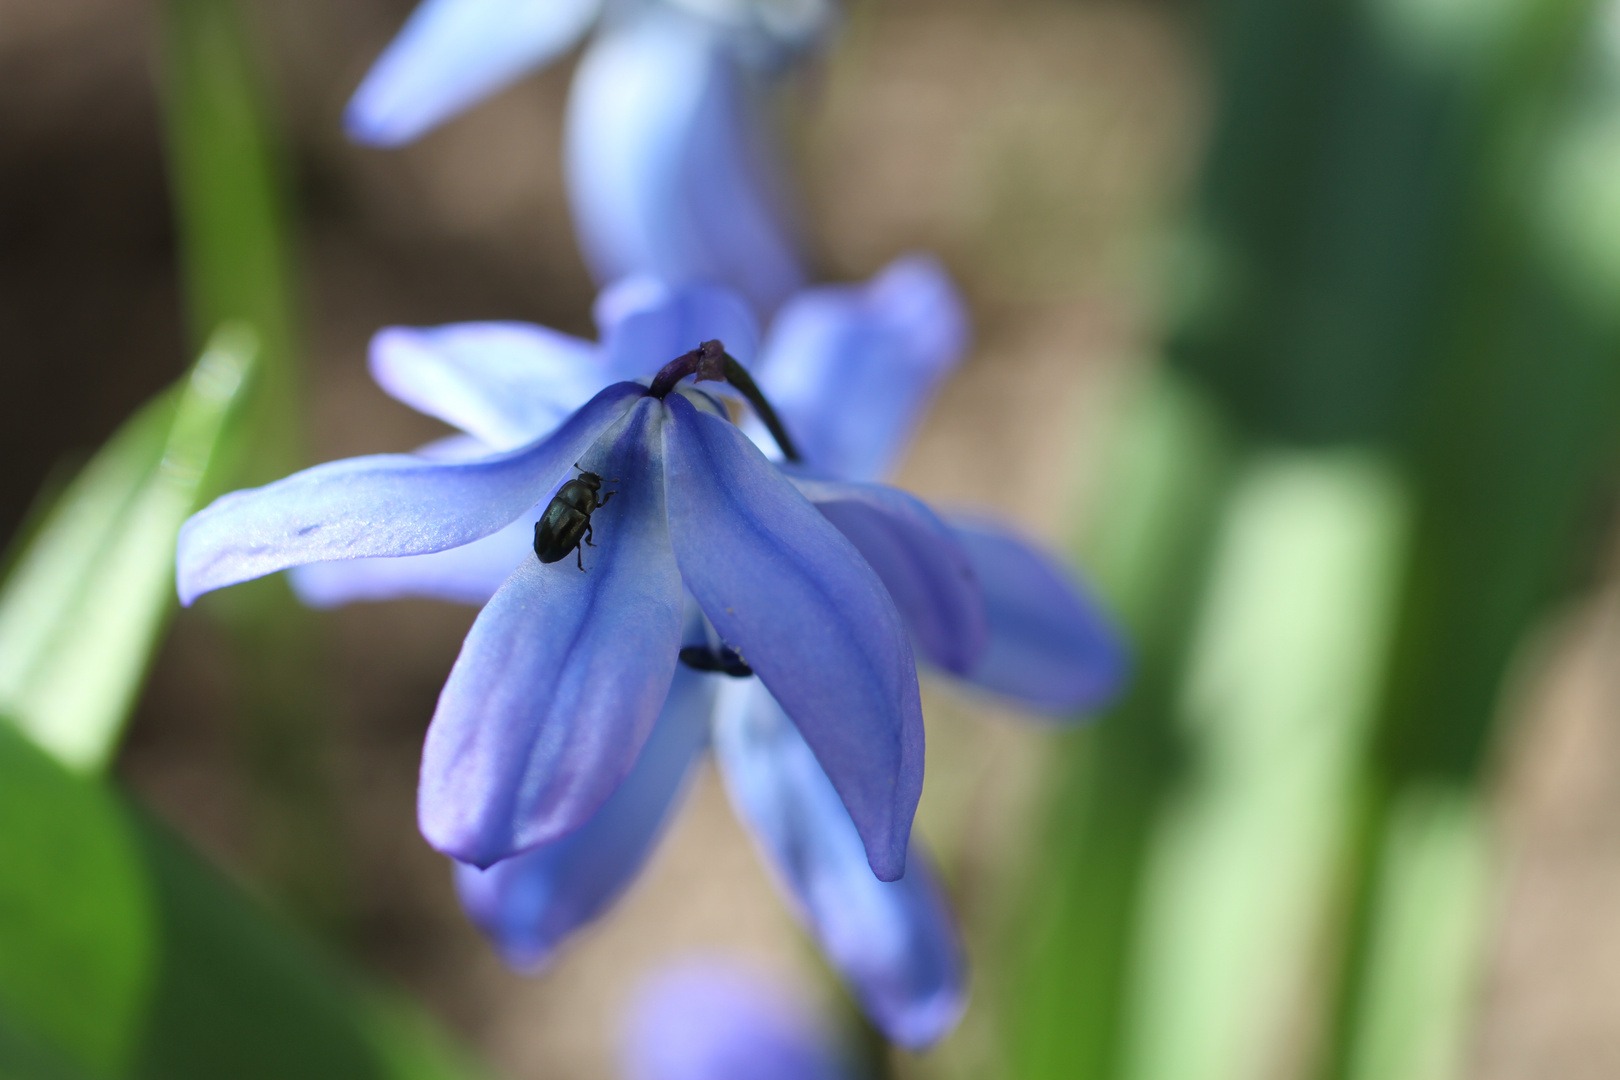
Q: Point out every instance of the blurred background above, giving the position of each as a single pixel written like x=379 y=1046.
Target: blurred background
x=1295 y=323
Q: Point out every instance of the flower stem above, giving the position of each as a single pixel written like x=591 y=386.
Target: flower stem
x=711 y=363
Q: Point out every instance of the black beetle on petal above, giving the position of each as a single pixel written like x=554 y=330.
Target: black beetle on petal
x=567 y=520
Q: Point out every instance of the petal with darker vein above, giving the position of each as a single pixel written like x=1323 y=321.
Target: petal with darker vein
x=562 y=674
x=784 y=588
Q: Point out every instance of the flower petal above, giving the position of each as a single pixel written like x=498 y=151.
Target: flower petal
x=385 y=504
x=469 y=574
x=665 y=172
x=646 y=322
x=1051 y=646
x=562 y=674
x=708 y=1020
x=455 y=447
x=894 y=942
x=454 y=53
x=530 y=903
x=919 y=561
x=785 y=589
x=850 y=368
x=503 y=382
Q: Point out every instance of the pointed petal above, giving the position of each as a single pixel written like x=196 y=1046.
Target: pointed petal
x=562 y=674
x=785 y=589
x=383 y=505
x=709 y=1020
x=894 y=942
x=505 y=383
x=454 y=53
x=646 y=322
x=529 y=904
x=665 y=172
x=919 y=561
x=851 y=368
x=1051 y=646
x=469 y=574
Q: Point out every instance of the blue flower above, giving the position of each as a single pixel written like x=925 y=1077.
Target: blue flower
x=563 y=673
x=713 y=1020
x=976 y=601
x=665 y=169
x=850 y=369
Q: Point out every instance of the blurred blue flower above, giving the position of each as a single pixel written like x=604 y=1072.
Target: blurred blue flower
x=849 y=368
x=666 y=171
x=714 y=1020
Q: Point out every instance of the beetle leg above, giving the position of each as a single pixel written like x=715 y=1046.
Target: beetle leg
x=579 y=557
x=605 y=498
x=589 y=532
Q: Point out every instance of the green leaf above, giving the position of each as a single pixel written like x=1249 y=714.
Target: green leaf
x=412 y=1046
x=1068 y=957
x=1427 y=920
x=1279 y=701
x=237 y=994
x=231 y=215
x=83 y=609
x=25 y=1058
x=122 y=954
x=77 y=923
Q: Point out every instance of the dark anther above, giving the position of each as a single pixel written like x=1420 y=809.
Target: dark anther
x=725 y=660
x=711 y=363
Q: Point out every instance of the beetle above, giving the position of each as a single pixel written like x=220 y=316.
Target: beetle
x=567 y=520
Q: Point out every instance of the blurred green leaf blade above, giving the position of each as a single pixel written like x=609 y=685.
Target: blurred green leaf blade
x=231 y=212
x=83 y=609
x=237 y=994
x=1428 y=920
x=1168 y=468
x=1278 y=704
x=77 y=921
x=412 y=1046
x=122 y=954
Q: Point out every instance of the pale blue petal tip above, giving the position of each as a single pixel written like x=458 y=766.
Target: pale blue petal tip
x=712 y=1019
x=852 y=368
x=384 y=505
x=505 y=383
x=645 y=322
x=530 y=904
x=666 y=173
x=451 y=54
x=894 y=942
x=1051 y=646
